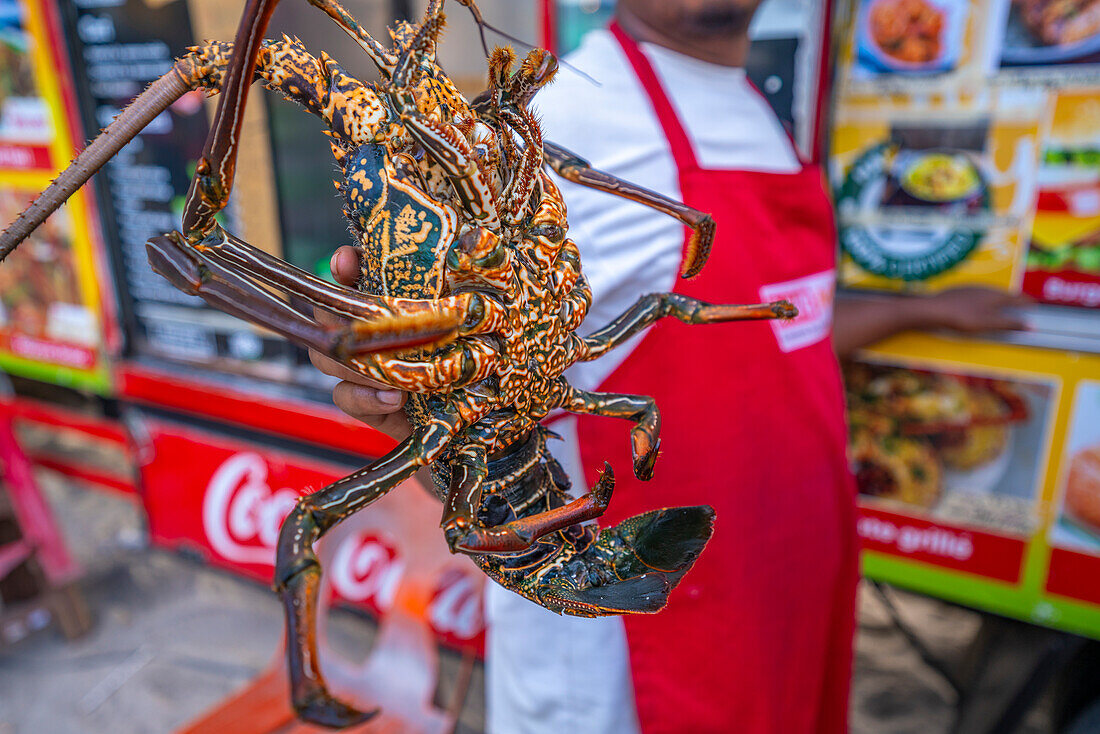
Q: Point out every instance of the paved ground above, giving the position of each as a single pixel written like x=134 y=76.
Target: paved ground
x=173 y=638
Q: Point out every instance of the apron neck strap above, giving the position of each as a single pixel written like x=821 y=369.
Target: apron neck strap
x=677 y=138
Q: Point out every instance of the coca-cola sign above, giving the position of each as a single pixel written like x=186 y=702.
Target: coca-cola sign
x=457 y=609
x=241 y=512
x=226 y=500
x=367 y=568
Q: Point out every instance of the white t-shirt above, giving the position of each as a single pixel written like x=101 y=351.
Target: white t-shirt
x=548 y=673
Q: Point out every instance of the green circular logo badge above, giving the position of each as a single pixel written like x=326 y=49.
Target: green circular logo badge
x=931 y=204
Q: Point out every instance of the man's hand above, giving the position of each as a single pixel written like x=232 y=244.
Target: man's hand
x=373 y=403
x=970 y=310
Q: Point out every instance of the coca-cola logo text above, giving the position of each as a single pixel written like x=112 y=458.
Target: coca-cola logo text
x=241 y=513
x=456 y=607
x=367 y=568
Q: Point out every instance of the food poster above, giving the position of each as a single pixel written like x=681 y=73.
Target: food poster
x=1028 y=72
x=1047 y=40
x=960 y=446
x=914 y=50
x=964 y=454
x=930 y=202
x=52 y=323
x=1063 y=255
x=1075 y=533
x=1078 y=525
x=27 y=129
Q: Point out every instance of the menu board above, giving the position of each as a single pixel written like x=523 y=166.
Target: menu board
x=52 y=324
x=978 y=468
x=966 y=146
x=965 y=150
x=119 y=48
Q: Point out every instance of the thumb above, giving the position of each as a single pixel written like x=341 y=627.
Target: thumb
x=345 y=265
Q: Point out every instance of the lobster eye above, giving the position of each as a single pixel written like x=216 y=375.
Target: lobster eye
x=552 y=232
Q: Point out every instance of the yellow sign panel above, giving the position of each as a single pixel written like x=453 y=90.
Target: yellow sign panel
x=51 y=319
x=966 y=151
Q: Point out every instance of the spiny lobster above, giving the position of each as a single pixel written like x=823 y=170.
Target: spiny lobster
x=469 y=298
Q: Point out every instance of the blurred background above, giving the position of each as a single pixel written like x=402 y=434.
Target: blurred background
x=151 y=446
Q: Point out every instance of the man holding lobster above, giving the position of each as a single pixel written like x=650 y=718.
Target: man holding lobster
x=758 y=638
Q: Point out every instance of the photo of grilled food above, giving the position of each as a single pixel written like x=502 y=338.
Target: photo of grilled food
x=907 y=30
x=1083 y=489
x=1041 y=32
x=1060 y=22
x=907 y=427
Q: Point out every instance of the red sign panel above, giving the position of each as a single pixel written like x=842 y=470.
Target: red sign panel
x=227 y=500
x=959 y=548
x=1074 y=575
x=1068 y=287
x=25 y=157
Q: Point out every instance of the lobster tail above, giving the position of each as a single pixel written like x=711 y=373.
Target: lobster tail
x=668 y=541
x=583 y=570
x=646 y=555
x=645 y=594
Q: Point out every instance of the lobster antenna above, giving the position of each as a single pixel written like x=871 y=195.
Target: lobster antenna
x=475 y=11
x=132 y=120
x=482 y=25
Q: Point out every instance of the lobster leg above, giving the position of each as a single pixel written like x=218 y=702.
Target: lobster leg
x=465 y=361
x=468 y=472
x=455 y=156
x=514 y=91
x=213 y=181
x=442 y=141
x=376 y=52
x=653 y=306
x=298 y=572
x=645 y=437
x=519 y=534
x=188 y=269
x=236 y=255
x=572 y=167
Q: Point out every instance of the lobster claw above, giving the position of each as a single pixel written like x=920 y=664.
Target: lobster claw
x=324 y=710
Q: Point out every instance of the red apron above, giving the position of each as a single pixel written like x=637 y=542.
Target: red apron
x=758 y=636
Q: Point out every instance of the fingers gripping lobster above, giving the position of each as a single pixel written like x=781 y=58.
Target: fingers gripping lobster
x=469 y=298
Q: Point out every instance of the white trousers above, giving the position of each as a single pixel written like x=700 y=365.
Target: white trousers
x=549 y=674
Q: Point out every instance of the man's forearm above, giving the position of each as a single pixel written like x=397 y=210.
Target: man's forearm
x=863 y=320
